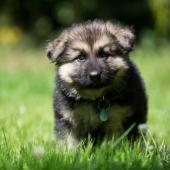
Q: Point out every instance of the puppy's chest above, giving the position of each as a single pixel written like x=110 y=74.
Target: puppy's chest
x=88 y=117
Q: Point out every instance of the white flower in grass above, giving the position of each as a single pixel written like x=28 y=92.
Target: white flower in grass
x=150 y=148
x=38 y=152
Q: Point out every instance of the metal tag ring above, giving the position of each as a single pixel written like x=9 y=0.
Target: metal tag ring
x=104 y=103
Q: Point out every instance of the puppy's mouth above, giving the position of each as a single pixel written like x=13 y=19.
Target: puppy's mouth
x=87 y=84
x=97 y=83
x=92 y=86
x=92 y=92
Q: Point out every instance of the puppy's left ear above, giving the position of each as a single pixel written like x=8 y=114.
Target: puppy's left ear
x=56 y=47
x=124 y=35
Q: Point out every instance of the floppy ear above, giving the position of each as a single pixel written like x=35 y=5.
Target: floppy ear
x=124 y=35
x=56 y=47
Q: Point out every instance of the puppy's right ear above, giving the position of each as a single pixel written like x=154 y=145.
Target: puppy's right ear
x=56 y=47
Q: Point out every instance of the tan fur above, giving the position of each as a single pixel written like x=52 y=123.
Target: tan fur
x=87 y=114
x=101 y=42
x=66 y=71
x=80 y=46
x=88 y=117
x=124 y=35
x=117 y=63
x=117 y=114
x=72 y=142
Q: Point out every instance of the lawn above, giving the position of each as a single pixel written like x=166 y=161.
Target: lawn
x=26 y=117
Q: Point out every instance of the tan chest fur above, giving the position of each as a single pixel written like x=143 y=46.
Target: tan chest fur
x=87 y=119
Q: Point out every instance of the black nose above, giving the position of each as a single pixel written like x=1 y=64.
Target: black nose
x=94 y=75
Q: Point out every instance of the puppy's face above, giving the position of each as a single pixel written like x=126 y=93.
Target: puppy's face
x=92 y=55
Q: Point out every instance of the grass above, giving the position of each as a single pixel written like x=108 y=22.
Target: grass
x=26 y=117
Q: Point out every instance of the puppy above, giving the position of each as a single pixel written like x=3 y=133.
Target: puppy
x=99 y=91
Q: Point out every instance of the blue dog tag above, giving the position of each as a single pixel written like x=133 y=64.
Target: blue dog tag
x=103 y=115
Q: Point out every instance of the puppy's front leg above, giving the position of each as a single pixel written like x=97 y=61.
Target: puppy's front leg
x=68 y=141
x=65 y=136
x=72 y=142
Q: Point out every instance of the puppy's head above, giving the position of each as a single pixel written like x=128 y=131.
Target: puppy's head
x=92 y=54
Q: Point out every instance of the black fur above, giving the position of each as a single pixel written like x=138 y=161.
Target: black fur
x=133 y=94
x=130 y=91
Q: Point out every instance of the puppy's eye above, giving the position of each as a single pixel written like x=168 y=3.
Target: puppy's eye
x=81 y=57
x=103 y=55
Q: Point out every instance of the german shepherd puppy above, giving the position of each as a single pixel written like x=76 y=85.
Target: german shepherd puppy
x=99 y=91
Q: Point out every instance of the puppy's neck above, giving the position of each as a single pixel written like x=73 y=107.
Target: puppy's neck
x=92 y=94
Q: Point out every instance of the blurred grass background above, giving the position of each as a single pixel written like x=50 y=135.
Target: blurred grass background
x=27 y=78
